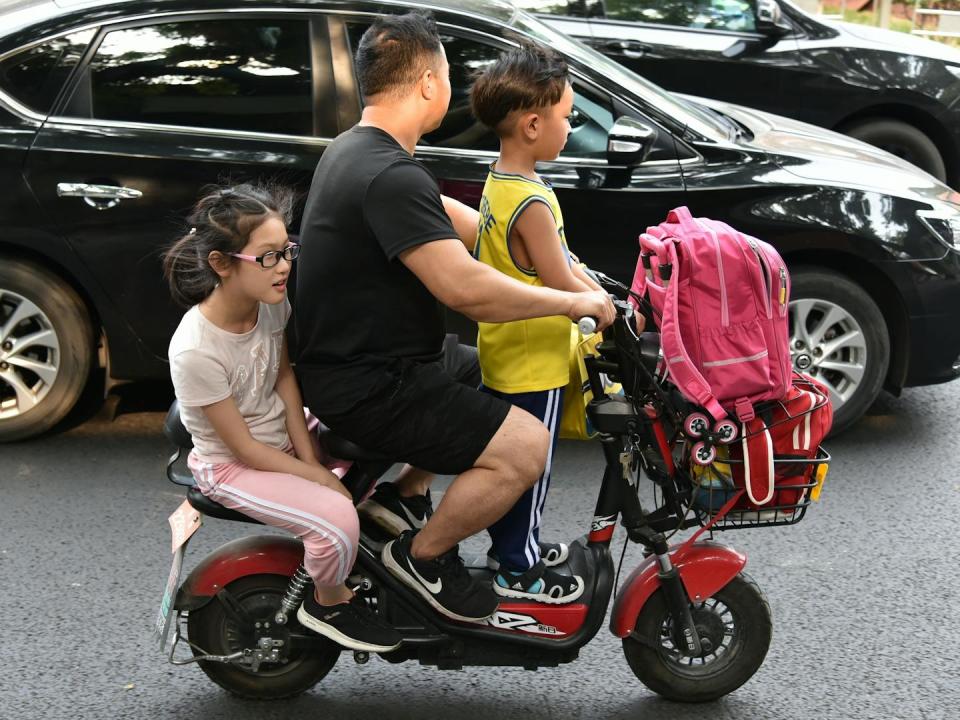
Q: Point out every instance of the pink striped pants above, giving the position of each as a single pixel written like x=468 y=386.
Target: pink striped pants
x=322 y=518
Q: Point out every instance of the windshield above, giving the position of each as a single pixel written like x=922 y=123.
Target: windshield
x=684 y=112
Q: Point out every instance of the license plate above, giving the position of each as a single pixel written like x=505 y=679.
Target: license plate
x=821 y=476
x=184 y=522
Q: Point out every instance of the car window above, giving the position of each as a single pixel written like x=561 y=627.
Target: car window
x=733 y=15
x=590 y=120
x=574 y=8
x=235 y=74
x=35 y=76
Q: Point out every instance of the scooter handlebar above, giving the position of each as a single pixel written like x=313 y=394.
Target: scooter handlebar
x=587 y=325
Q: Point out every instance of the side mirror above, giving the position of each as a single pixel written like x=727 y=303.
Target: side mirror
x=629 y=141
x=770 y=19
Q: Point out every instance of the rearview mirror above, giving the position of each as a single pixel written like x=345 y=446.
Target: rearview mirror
x=770 y=19
x=629 y=141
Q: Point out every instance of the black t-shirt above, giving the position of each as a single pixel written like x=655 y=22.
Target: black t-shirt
x=358 y=309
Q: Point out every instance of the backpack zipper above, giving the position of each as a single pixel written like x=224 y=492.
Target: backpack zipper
x=783 y=291
x=767 y=280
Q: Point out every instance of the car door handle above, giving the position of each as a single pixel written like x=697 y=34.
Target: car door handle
x=101 y=197
x=629 y=48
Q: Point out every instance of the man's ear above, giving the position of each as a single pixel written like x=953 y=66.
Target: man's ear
x=220 y=263
x=428 y=84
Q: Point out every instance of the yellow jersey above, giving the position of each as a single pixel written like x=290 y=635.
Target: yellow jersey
x=524 y=355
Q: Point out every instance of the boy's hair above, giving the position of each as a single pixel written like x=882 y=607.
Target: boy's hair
x=395 y=51
x=523 y=78
x=222 y=220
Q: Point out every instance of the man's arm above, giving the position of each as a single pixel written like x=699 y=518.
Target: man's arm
x=465 y=220
x=487 y=295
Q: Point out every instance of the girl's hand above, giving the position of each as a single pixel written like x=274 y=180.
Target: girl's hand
x=322 y=476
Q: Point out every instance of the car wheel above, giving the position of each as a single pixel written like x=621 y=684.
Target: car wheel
x=46 y=349
x=902 y=140
x=838 y=336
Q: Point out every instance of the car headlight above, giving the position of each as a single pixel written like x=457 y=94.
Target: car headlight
x=944 y=224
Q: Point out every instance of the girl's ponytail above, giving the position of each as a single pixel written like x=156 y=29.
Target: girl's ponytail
x=187 y=270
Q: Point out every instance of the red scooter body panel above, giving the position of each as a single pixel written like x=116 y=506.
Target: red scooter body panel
x=251 y=555
x=705 y=567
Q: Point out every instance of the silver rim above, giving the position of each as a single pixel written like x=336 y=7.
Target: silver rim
x=29 y=355
x=827 y=343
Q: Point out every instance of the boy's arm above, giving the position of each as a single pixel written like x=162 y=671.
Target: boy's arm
x=577 y=269
x=536 y=230
x=465 y=220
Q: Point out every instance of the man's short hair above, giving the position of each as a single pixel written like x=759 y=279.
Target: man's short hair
x=395 y=51
x=523 y=78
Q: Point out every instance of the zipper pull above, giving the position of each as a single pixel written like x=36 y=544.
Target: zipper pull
x=783 y=286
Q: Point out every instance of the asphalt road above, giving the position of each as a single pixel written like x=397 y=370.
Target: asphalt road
x=862 y=591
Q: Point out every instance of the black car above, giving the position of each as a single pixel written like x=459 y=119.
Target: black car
x=113 y=115
x=890 y=89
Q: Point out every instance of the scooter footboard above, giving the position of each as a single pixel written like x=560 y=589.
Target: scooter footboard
x=704 y=567
x=251 y=555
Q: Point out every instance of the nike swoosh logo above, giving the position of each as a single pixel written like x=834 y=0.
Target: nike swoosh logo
x=433 y=587
x=415 y=522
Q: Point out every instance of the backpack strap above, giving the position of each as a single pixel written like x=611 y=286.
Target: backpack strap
x=679 y=364
x=758 y=471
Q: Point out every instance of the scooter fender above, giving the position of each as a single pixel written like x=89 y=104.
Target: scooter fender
x=251 y=555
x=705 y=567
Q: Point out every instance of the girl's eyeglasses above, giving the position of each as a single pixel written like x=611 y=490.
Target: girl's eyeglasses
x=270 y=259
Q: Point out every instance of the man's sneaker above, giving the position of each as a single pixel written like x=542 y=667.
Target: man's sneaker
x=551 y=554
x=444 y=582
x=539 y=584
x=388 y=510
x=350 y=624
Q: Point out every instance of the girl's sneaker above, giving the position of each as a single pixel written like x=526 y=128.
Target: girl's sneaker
x=539 y=584
x=350 y=624
x=552 y=554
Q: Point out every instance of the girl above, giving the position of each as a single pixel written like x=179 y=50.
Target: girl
x=240 y=401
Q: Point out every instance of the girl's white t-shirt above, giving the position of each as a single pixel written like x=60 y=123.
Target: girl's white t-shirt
x=209 y=364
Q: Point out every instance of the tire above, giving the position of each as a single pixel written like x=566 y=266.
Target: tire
x=33 y=402
x=816 y=292
x=903 y=140
x=213 y=630
x=739 y=607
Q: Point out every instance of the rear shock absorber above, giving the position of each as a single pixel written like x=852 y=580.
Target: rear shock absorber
x=294 y=595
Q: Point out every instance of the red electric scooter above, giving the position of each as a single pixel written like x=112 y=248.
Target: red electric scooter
x=694 y=627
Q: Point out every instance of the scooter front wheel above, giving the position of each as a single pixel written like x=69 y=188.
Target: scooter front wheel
x=239 y=622
x=735 y=629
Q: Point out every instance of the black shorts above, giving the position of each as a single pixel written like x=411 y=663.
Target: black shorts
x=430 y=415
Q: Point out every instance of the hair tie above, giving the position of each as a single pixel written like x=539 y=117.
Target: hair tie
x=193 y=231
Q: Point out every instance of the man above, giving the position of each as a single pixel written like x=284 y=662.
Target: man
x=378 y=252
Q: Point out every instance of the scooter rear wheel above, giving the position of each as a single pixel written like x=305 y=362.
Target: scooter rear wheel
x=218 y=630
x=736 y=623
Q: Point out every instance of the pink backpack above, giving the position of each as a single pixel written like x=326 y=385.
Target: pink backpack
x=722 y=299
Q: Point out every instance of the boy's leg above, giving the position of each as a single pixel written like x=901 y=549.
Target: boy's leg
x=523 y=573
x=515 y=536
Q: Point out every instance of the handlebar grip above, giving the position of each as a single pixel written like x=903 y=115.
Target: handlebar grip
x=587 y=325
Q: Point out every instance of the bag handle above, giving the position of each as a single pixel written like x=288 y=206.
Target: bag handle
x=682 y=216
x=679 y=364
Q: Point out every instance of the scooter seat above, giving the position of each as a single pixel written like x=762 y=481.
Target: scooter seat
x=211 y=508
x=343 y=449
x=174 y=430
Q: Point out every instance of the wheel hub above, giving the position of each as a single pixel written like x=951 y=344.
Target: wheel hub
x=803 y=361
x=709 y=627
x=29 y=354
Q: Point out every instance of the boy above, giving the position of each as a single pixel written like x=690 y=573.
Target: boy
x=525 y=98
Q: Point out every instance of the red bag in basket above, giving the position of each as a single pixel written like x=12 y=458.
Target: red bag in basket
x=789 y=429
